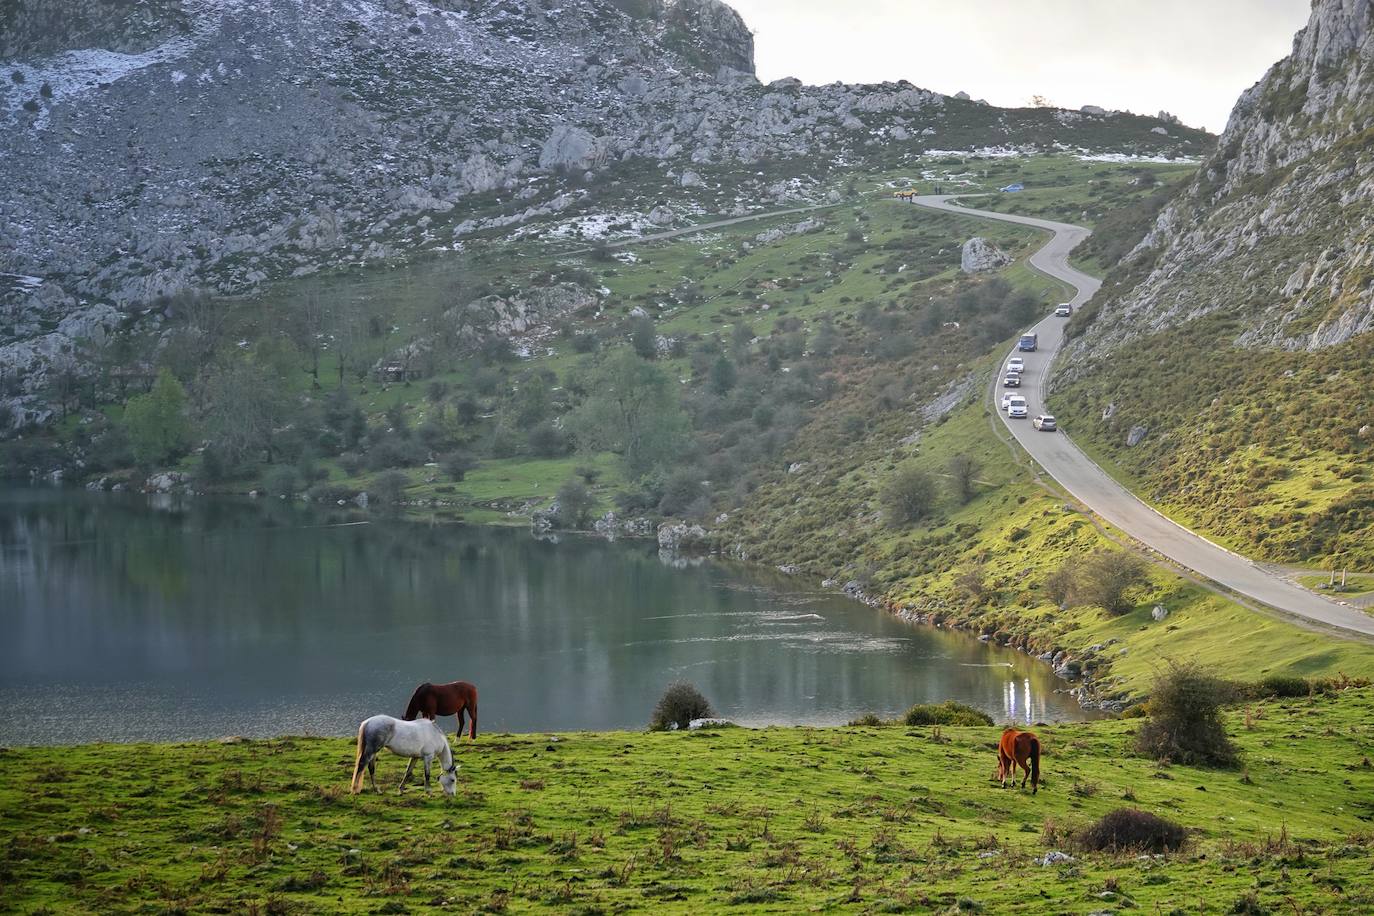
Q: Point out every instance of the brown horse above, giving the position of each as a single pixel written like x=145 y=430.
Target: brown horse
x=1015 y=749
x=430 y=700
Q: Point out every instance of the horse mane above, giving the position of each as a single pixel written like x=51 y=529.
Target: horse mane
x=413 y=707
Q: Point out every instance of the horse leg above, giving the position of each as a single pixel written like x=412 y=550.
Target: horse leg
x=459 y=734
x=1003 y=770
x=372 y=773
x=410 y=767
x=1025 y=765
x=427 y=773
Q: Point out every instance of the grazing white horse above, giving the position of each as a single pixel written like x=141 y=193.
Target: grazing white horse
x=420 y=739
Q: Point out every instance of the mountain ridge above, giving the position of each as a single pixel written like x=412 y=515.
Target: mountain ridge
x=228 y=144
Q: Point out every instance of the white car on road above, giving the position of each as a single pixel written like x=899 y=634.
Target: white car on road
x=1044 y=423
x=1064 y=310
x=1016 y=364
x=1015 y=405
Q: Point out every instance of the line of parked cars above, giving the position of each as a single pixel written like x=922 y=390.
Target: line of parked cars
x=1015 y=404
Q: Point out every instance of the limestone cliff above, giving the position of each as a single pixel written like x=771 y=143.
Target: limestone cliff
x=1278 y=227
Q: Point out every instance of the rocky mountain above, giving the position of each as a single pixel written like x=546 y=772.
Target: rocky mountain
x=1225 y=363
x=1278 y=227
x=147 y=148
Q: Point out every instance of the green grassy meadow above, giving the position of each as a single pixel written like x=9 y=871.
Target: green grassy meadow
x=781 y=820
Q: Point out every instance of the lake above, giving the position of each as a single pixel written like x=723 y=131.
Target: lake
x=135 y=618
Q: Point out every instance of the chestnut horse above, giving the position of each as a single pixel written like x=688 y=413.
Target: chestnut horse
x=430 y=700
x=1015 y=749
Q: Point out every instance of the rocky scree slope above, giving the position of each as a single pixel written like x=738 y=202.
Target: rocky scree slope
x=217 y=144
x=1225 y=362
x=1278 y=226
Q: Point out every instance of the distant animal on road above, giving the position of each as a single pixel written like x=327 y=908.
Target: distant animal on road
x=455 y=699
x=1021 y=749
x=422 y=740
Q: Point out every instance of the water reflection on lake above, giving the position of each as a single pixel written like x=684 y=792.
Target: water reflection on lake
x=128 y=620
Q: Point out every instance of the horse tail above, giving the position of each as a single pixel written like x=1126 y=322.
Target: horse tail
x=472 y=708
x=413 y=707
x=357 y=783
x=1035 y=764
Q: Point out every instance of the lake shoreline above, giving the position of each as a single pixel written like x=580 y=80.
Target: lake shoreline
x=162 y=618
x=788 y=819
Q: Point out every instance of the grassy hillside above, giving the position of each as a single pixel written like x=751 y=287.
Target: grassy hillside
x=851 y=819
x=985 y=565
x=1267 y=451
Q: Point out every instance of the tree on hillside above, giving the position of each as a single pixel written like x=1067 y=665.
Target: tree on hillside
x=350 y=338
x=1104 y=578
x=156 y=422
x=307 y=326
x=723 y=375
x=632 y=409
x=643 y=338
x=964 y=469
x=575 y=503
x=243 y=407
x=908 y=495
x=457 y=464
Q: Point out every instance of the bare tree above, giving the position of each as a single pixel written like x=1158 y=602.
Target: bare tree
x=1105 y=576
x=307 y=328
x=965 y=469
x=204 y=320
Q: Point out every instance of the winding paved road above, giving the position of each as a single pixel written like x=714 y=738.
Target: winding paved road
x=1076 y=472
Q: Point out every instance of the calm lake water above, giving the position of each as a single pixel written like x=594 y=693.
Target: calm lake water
x=130 y=618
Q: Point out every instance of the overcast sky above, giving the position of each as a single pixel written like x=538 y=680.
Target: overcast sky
x=1190 y=57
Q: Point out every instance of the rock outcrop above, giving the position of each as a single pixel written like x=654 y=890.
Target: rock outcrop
x=1278 y=226
x=981 y=255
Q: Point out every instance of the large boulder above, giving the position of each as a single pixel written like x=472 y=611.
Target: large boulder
x=679 y=535
x=981 y=255
x=480 y=174
x=572 y=149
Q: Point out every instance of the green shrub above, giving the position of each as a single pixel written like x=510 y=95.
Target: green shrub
x=680 y=704
x=908 y=495
x=1283 y=685
x=947 y=713
x=388 y=488
x=683 y=494
x=283 y=480
x=1185 y=719
x=869 y=720
x=457 y=464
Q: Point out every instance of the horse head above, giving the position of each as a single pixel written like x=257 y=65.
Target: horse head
x=448 y=780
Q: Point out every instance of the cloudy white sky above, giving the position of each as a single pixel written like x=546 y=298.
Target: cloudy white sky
x=1190 y=57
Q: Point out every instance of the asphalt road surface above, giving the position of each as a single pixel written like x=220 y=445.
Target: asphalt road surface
x=1076 y=472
